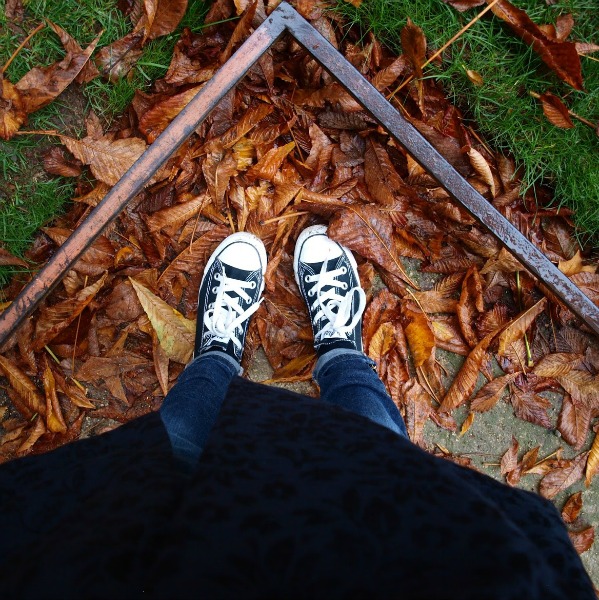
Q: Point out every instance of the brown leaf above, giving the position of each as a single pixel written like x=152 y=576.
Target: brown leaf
x=108 y=159
x=42 y=84
x=177 y=215
x=560 y=56
x=54 y=418
x=421 y=339
x=6 y=258
x=58 y=317
x=95 y=260
x=471 y=302
x=413 y=43
x=117 y=59
x=74 y=393
x=518 y=327
x=382 y=179
x=268 y=166
x=531 y=407
x=369 y=232
x=489 y=394
x=56 y=163
x=385 y=77
x=382 y=341
x=33 y=403
x=160 y=364
x=162 y=16
x=573 y=422
x=556 y=111
x=562 y=477
x=464 y=5
x=384 y=307
x=572 y=508
x=509 y=461
x=241 y=31
x=465 y=380
x=558 y=364
x=12 y=109
x=418 y=410
x=35 y=433
x=582 y=540
x=467 y=424
x=593 y=461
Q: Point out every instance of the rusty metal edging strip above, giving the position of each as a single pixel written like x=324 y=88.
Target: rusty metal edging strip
x=286 y=18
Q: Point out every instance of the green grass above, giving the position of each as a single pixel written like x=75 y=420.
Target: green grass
x=29 y=198
x=502 y=108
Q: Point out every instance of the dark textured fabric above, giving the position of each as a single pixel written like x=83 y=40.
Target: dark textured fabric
x=291 y=498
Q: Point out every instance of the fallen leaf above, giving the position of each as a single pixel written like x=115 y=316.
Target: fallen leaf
x=421 y=339
x=382 y=341
x=572 y=508
x=12 y=109
x=531 y=407
x=481 y=166
x=418 y=410
x=489 y=394
x=464 y=5
x=54 y=418
x=175 y=333
x=41 y=85
x=509 y=461
x=117 y=59
x=175 y=216
x=368 y=232
x=557 y=364
x=33 y=401
x=555 y=111
x=467 y=423
x=55 y=318
x=465 y=380
x=562 y=477
x=582 y=540
x=592 y=465
x=573 y=422
x=162 y=16
x=6 y=259
x=35 y=433
x=268 y=166
x=108 y=159
x=518 y=327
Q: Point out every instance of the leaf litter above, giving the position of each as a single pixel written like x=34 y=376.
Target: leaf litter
x=288 y=148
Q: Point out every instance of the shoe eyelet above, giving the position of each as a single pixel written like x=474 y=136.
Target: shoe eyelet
x=214 y=290
x=307 y=279
x=311 y=292
x=343 y=285
x=217 y=276
x=253 y=286
x=343 y=270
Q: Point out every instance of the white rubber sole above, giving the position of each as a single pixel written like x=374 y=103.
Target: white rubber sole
x=319 y=230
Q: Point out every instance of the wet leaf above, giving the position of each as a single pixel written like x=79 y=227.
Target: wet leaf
x=6 y=258
x=268 y=166
x=54 y=418
x=489 y=394
x=572 y=508
x=509 y=461
x=368 y=232
x=175 y=333
x=108 y=159
x=465 y=380
x=582 y=540
x=563 y=476
x=481 y=166
x=117 y=59
x=531 y=407
x=12 y=109
x=558 y=364
x=556 y=111
x=464 y=5
x=162 y=16
x=42 y=84
x=382 y=341
x=560 y=56
x=421 y=339
x=33 y=402
x=467 y=424
x=592 y=465
x=175 y=216
x=58 y=317
x=418 y=410
x=518 y=327
x=573 y=422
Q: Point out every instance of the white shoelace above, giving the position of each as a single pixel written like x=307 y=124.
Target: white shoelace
x=225 y=315
x=338 y=325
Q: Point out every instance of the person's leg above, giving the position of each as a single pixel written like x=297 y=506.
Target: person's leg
x=327 y=276
x=191 y=407
x=229 y=295
x=347 y=379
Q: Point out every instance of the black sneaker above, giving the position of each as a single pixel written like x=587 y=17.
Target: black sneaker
x=229 y=295
x=327 y=276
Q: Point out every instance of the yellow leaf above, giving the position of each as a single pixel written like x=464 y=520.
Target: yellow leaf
x=481 y=166
x=176 y=334
x=382 y=341
x=467 y=424
x=420 y=337
x=592 y=462
x=24 y=387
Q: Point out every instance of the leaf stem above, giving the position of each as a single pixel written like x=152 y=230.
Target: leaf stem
x=20 y=47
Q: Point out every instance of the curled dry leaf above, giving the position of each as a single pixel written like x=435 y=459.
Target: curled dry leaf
x=481 y=166
x=572 y=508
x=54 y=418
x=58 y=317
x=563 y=476
x=108 y=159
x=556 y=111
x=467 y=424
x=175 y=333
x=517 y=328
